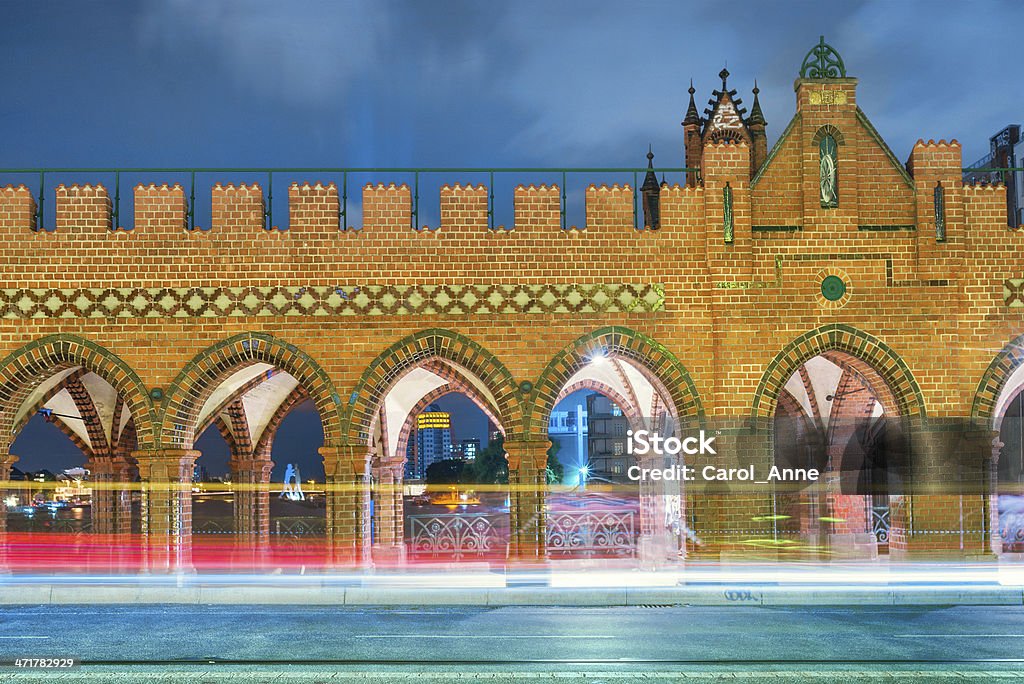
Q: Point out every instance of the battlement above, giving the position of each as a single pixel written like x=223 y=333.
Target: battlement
x=935 y=160
x=722 y=228
x=83 y=208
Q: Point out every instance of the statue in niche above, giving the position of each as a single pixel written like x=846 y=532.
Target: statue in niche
x=828 y=164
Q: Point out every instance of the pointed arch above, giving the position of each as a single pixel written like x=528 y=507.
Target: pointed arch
x=197 y=381
x=26 y=368
x=467 y=356
x=651 y=358
x=994 y=382
x=873 y=357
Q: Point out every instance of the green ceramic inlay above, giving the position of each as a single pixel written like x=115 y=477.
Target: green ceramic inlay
x=833 y=288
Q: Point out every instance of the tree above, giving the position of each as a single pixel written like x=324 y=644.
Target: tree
x=446 y=471
x=555 y=471
x=490 y=465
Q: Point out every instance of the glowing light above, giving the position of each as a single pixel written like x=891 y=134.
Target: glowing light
x=434 y=419
x=598 y=358
x=11 y=501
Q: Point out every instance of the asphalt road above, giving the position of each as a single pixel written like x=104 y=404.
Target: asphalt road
x=256 y=643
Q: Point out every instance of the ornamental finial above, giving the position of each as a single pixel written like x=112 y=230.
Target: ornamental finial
x=723 y=74
x=822 y=62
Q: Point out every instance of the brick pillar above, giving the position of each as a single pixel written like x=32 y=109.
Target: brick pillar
x=348 y=502
x=167 y=507
x=7 y=460
x=944 y=510
x=658 y=543
x=6 y=463
x=104 y=472
x=123 y=499
x=389 y=512
x=250 y=479
x=993 y=497
x=527 y=466
x=726 y=513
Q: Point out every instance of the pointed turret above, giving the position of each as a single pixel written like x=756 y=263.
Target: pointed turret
x=756 y=124
x=756 y=115
x=692 y=145
x=692 y=117
x=651 y=195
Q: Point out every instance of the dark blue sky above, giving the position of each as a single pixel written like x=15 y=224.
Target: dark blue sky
x=467 y=83
x=420 y=83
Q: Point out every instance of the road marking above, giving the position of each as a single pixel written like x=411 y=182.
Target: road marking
x=484 y=636
x=959 y=636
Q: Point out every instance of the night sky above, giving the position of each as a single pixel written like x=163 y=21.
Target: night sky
x=388 y=83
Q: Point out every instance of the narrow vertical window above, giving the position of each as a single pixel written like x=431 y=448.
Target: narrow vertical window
x=828 y=158
x=727 y=226
x=940 y=213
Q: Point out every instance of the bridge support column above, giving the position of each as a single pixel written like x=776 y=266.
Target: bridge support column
x=527 y=480
x=348 y=503
x=108 y=502
x=944 y=507
x=727 y=511
x=250 y=478
x=167 y=507
x=662 y=515
x=389 y=513
x=7 y=461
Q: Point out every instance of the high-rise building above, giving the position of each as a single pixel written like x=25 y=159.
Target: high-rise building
x=433 y=441
x=470 y=447
x=606 y=438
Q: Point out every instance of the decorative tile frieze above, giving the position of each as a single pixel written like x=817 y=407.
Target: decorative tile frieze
x=348 y=300
x=1013 y=293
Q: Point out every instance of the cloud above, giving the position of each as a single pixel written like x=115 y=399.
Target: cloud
x=304 y=53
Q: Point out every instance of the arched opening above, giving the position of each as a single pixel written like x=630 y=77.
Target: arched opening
x=1010 y=475
x=611 y=382
x=69 y=435
x=837 y=416
x=255 y=499
x=439 y=470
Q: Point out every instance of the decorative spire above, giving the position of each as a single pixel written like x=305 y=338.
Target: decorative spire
x=691 y=112
x=822 y=62
x=724 y=74
x=650 y=180
x=756 y=115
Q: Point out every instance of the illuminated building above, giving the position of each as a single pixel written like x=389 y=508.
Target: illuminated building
x=433 y=440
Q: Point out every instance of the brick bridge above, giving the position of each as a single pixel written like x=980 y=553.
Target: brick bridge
x=802 y=286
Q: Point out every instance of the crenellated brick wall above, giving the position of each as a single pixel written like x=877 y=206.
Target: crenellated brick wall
x=159 y=295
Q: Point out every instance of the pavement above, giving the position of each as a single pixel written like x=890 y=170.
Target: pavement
x=280 y=644
x=766 y=585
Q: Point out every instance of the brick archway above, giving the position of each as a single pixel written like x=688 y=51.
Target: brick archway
x=24 y=369
x=456 y=350
x=993 y=383
x=651 y=358
x=866 y=354
x=201 y=376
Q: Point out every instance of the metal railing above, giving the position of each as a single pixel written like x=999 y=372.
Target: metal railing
x=341 y=174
